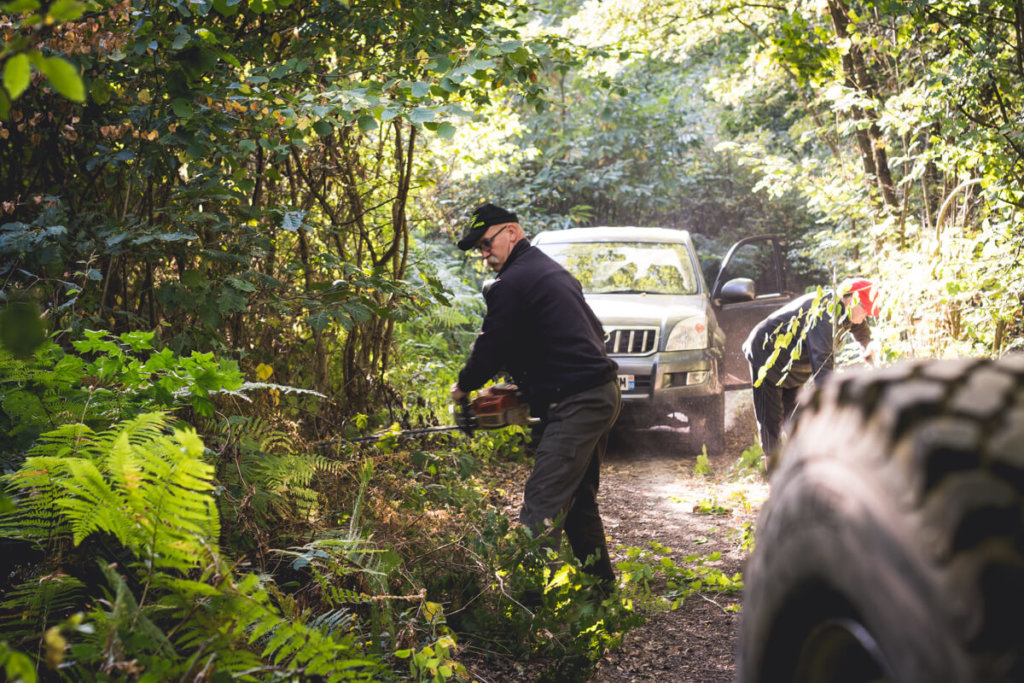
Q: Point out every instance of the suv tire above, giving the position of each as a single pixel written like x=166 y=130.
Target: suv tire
x=891 y=545
x=708 y=424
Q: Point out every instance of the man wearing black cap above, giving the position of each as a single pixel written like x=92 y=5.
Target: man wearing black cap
x=541 y=331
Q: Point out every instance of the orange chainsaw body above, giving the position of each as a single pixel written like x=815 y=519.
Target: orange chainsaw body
x=499 y=407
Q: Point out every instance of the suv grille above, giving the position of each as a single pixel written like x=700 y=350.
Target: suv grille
x=631 y=341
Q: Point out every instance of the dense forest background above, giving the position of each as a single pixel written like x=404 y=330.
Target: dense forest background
x=227 y=249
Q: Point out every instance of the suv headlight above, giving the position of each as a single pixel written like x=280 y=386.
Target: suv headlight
x=690 y=333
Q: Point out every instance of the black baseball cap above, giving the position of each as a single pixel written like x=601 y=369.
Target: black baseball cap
x=483 y=217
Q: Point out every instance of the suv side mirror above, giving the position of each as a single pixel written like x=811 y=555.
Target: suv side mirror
x=737 y=290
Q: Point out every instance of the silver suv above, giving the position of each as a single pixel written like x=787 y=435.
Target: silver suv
x=676 y=341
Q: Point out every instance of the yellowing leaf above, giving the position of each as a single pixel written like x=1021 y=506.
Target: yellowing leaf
x=55 y=645
x=432 y=611
x=560 y=578
x=263 y=372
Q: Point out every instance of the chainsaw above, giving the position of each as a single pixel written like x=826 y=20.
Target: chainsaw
x=494 y=407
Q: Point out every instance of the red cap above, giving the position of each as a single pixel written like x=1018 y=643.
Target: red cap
x=867 y=293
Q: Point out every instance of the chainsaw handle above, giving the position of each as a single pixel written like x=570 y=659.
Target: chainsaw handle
x=464 y=418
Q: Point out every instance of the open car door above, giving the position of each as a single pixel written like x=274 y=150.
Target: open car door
x=760 y=260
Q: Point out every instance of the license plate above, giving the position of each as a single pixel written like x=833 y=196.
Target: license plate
x=627 y=382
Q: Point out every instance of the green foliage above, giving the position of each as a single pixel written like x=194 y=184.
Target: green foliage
x=19 y=56
x=174 y=605
x=247 y=186
x=111 y=377
x=709 y=506
x=630 y=138
x=21 y=328
x=751 y=460
x=748 y=538
x=898 y=126
x=17 y=666
x=542 y=605
x=642 y=568
x=433 y=663
x=702 y=466
x=108 y=482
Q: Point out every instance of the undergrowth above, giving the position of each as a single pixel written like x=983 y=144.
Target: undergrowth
x=138 y=548
x=645 y=570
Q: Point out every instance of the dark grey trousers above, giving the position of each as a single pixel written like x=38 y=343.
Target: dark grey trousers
x=566 y=474
x=774 y=401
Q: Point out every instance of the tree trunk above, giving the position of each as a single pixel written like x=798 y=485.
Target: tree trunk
x=870 y=140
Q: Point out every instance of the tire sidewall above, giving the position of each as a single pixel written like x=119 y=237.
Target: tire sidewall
x=833 y=537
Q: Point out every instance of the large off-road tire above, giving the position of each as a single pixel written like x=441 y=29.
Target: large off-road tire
x=891 y=547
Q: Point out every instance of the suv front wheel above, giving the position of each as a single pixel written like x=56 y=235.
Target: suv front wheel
x=707 y=423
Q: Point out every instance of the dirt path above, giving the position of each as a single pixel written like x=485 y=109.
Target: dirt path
x=650 y=492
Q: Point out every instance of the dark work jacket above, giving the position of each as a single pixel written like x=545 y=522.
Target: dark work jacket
x=539 y=328
x=815 y=330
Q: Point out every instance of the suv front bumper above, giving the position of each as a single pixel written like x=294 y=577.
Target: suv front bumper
x=668 y=378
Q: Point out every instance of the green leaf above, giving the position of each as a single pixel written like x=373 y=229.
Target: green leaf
x=319 y=321
x=203 y=406
x=66 y=10
x=323 y=128
x=240 y=284
x=21 y=329
x=182 y=108
x=446 y=130
x=227 y=9
x=17 y=73
x=367 y=124
x=421 y=114
x=181 y=39
x=100 y=91
x=64 y=78
x=231 y=301
x=21 y=6
x=357 y=311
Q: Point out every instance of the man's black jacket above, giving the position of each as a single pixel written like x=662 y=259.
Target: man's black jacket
x=812 y=327
x=540 y=329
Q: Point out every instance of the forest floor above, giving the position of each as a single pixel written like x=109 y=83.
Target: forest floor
x=650 y=492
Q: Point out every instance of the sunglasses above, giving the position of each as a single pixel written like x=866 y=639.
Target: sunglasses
x=485 y=243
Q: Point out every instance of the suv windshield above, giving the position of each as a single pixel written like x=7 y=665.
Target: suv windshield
x=607 y=267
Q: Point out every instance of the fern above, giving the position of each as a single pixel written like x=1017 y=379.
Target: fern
x=274 y=483
x=33 y=606
x=176 y=611
x=334 y=621
x=146 y=488
x=240 y=612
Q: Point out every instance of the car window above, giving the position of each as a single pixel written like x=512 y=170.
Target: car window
x=607 y=267
x=757 y=262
